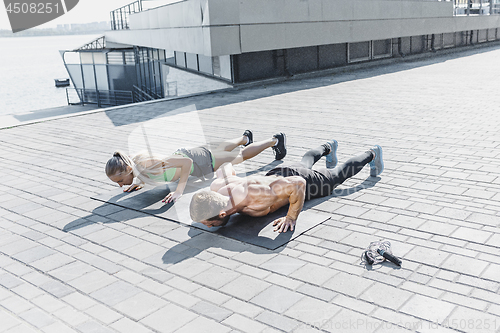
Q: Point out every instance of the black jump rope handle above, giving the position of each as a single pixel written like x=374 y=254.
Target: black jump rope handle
x=369 y=260
x=389 y=257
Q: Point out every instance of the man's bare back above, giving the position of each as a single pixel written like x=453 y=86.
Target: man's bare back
x=260 y=195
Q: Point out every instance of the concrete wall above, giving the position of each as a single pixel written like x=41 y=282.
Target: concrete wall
x=221 y=27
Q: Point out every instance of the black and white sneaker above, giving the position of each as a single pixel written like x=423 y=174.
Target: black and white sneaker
x=280 y=148
x=331 y=157
x=249 y=135
x=377 y=164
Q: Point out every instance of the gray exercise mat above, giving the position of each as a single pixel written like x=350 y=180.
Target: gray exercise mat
x=253 y=230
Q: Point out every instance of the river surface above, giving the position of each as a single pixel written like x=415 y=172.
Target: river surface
x=28 y=67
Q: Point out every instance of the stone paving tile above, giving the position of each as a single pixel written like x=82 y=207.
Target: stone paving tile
x=22 y=329
x=155 y=287
x=51 y=262
x=275 y=320
x=126 y=325
x=27 y=291
x=245 y=287
x=243 y=308
x=303 y=328
x=203 y=325
x=140 y=305
x=8 y=321
x=428 y=308
x=253 y=271
x=210 y=310
x=115 y=293
x=103 y=314
x=92 y=281
x=56 y=288
x=465 y=300
x=472 y=235
x=348 y=284
x=465 y=265
x=169 y=318
x=58 y=327
x=181 y=298
x=276 y=298
x=92 y=326
x=472 y=321
x=213 y=296
x=71 y=316
x=216 y=277
x=314 y=274
x=190 y=267
x=386 y=296
x=244 y=324
x=312 y=312
x=183 y=284
x=283 y=264
x=349 y=321
x=48 y=303
x=37 y=318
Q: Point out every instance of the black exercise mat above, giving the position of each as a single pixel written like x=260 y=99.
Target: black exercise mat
x=253 y=230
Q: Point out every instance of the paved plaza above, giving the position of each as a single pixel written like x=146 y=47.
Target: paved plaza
x=69 y=263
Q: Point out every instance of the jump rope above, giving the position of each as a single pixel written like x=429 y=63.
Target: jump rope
x=378 y=252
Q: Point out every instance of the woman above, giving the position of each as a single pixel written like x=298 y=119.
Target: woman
x=199 y=162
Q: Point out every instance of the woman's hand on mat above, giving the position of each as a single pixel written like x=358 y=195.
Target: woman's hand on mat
x=283 y=223
x=133 y=187
x=172 y=197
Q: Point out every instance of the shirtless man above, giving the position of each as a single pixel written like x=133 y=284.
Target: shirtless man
x=261 y=195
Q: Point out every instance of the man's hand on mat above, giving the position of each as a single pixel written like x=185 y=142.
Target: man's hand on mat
x=283 y=223
x=172 y=197
x=133 y=187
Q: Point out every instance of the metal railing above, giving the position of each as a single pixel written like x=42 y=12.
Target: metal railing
x=476 y=7
x=142 y=94
x=97 y=44
x=79 y=96
x=119 y=18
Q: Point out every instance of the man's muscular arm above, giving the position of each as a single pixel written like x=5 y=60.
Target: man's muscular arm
x=295 y=189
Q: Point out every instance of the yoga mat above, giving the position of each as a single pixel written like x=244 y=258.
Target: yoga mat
x=253 y=230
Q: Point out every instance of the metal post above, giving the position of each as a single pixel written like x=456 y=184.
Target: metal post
x=83 y=78
x=95 y=81
x=121 y=19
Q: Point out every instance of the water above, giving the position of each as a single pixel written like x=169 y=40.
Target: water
x=28 y=67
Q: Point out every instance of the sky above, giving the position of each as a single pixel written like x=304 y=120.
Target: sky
x=85 y=11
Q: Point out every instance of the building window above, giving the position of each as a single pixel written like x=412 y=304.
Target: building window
x=382 y=48
x=192 y=61
x=358 y=51
x=180 y=59
x=205 y=64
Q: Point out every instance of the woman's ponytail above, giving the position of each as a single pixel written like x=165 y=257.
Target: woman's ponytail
x=117 y=164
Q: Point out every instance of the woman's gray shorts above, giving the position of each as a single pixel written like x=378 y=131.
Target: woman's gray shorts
x=203 y=163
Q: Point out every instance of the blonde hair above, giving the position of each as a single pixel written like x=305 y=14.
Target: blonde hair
x=117 y=164
x=206 y=204
x=141 y=164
